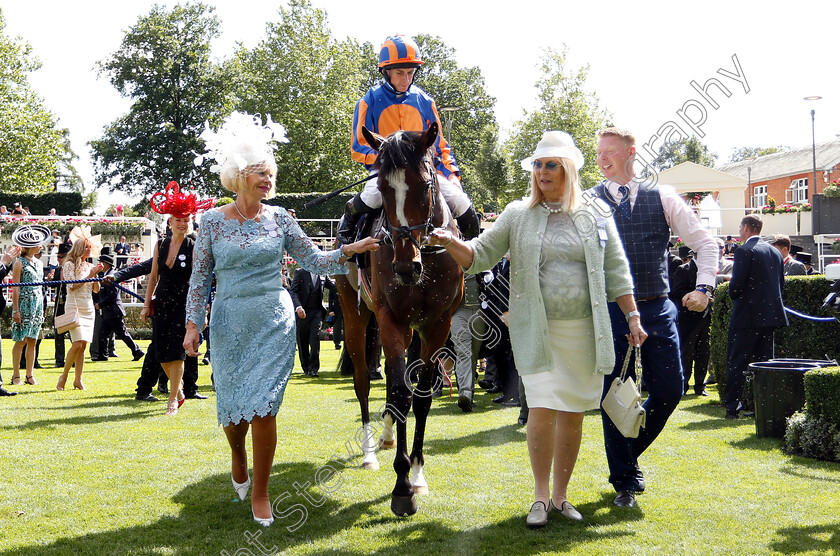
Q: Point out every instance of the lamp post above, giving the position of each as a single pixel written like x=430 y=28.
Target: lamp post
x=813 y=144
x=447 y=119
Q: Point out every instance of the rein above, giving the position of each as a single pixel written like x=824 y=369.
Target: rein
x=404 y=232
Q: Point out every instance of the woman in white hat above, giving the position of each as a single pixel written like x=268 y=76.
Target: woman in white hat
x=27 y=301
x=566 y=262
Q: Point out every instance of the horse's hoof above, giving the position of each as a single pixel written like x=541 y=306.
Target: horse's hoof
x=403 y=505
x=420 y=490
x=387 y=444
x=371 y=465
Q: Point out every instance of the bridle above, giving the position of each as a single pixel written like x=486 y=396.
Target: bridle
x=404 y=232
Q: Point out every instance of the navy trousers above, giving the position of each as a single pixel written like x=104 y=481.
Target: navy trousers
x=746 y=345
x=662 y=370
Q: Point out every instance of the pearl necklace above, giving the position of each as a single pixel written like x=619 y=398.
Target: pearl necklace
x=549 y=209
x=245 y=217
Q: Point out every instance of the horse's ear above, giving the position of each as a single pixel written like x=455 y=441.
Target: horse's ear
x=373 y=139
x=430 y=135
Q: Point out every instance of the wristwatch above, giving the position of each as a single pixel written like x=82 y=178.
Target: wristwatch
x=708 y=290
x=632 y=314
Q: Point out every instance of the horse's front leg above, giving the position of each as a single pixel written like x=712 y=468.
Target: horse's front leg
x=434 y=338
x=394 y=341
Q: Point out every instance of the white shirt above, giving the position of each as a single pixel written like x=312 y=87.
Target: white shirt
x=684 y=223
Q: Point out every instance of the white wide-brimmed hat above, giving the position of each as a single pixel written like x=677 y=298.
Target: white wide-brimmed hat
x=555 y=144
x=31 y=235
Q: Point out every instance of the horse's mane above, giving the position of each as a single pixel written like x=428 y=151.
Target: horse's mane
x=397 y=151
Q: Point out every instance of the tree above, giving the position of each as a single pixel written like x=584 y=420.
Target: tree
x=30 y=143
x=491 y=172
x=564 y=104
x=753 y=152
x=66 y=176
x=463 y=104
x=684 y=150
x=164 y=65
x=309 y=82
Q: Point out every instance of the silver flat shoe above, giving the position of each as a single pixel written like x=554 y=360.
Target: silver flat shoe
x=241 y=488
x=566 y=510
x=538 y=516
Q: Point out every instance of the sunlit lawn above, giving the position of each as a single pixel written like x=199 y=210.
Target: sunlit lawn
x=96 y=472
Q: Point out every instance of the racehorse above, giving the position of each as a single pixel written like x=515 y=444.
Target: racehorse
x=408 y=286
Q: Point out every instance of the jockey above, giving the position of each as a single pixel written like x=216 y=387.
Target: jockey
x=396 y=103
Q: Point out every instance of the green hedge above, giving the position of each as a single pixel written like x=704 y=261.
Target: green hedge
x=333 y=208
x=803 y=339
x=822 y=394
x=815 y=432
x=106 y=226
x=65 y=204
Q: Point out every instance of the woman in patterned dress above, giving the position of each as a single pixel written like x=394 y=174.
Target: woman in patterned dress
x=27 y=311
x=253 y=321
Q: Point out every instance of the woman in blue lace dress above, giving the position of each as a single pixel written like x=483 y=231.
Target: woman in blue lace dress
x=27 y=313
x=253 y=321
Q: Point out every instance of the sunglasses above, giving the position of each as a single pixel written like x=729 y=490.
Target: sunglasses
x=548 y=165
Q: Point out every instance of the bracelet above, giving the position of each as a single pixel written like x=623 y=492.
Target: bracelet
x=448 y=242
x=632 y=314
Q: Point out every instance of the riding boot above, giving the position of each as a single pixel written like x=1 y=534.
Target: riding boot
x=353 y=211
x=468 y=224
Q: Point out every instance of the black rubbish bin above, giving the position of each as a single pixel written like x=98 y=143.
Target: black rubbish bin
x=779 y=392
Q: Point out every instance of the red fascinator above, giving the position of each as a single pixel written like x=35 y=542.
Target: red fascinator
x=179 y=205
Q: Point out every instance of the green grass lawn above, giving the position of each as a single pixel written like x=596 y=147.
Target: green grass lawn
x=97 y=473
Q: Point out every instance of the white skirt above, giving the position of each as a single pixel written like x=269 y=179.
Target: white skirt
x=572 y=385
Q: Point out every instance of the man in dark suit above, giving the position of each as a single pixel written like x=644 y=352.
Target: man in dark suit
x=6 y=261
x=307 y=293
x=60 y=298
x=757 y=310
x=113 y=312
x=694 y=328
x=122 y=250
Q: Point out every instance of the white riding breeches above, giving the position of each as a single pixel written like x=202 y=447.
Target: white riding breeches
x=454 y=196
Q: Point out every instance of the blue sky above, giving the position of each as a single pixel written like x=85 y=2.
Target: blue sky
x=643 y=57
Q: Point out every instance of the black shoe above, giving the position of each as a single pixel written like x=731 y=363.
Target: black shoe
x=499 y=399
x=99 y=358
x=205 y=361
x=465 y=404
x=511 y=403
x=195 y=396
x=59 y=364
x=496 y=389
x=625 y=499
x=112 y=354
x=353 y=211
x=703 y=393
x=375 y=374
x=522 y=421
x=163 y=388
x=37 y=366
x=4 y=392
x=486 y=384
x=139 y=355
x=146 y=398
x=468 y=224
x=313 y=374
x=749 y=414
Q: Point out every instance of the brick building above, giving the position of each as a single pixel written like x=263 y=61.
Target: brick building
x=787 y=177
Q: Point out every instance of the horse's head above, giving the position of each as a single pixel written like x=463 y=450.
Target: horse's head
x=410 y=197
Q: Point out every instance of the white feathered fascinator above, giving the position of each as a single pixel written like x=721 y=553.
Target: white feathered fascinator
x=240 y=142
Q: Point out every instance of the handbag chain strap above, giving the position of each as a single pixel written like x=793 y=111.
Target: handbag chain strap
x=630 y=349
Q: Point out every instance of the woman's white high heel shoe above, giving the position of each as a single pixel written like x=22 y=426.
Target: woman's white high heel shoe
x=264 y=522
x=241 y=488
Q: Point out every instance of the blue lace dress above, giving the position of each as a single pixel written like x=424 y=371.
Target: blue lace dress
x=252 y=319
x=30 y=301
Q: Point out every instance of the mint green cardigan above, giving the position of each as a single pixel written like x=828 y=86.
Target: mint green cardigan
x=519 y=229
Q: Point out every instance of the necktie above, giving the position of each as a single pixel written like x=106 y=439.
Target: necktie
x=624 y=203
